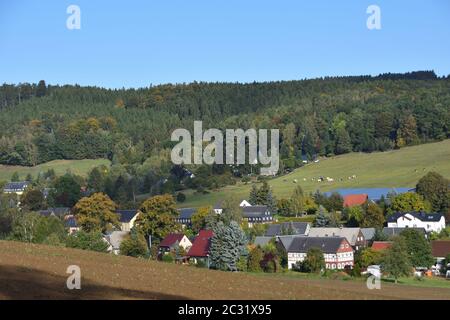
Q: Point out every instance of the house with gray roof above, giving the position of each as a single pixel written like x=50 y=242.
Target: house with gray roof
x=288 y=228
x=392 y=232
x=17 y=187
x=337 y=251
x=127 y=218
x=60 y=212
x=262 y=240
x=256 y=214
x=431 y=222
x=368 y=233
x=354 y=235
x=185 y=216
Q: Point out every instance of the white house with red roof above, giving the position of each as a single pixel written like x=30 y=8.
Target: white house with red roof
x=174 y=240
x=200 y=247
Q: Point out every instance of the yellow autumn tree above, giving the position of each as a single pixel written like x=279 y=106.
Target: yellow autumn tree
x=96 y=213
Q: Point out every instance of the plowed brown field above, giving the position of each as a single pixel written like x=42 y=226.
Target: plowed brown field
x=30 y=271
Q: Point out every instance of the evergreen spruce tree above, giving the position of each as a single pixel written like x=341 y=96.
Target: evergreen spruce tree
x=253 y=199
x=227 y=246
x=322 y=219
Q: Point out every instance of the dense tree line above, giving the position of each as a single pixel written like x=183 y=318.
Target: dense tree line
x=132 y=127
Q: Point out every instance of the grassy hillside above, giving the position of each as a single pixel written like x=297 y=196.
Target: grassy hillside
x=397 y=168
x=80 y=167
x=30 y=271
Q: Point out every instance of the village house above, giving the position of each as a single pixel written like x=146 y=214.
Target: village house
x=199 y=250
x=114 y=239
x=288 y=228
x=337 y=251
x=173 y=241
x=251 y=214
x=127 y=219
x=351 y=200
x=59 y=212
x=440 y=250
x=185 y=216
x=369 y=234
x=381 y=245
x=256 y=214
x=392 y=232
x=354 y=235
x=70 y=223
x=431 y=222
x=16 y=187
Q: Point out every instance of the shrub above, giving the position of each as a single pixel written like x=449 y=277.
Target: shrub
x=87 y=241
x=134 y=245
x=181 y=197
x=167 y=258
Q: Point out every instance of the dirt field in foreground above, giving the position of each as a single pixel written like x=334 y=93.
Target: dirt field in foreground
x=39 y=272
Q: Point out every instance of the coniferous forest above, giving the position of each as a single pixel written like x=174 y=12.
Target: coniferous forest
x=132 y=127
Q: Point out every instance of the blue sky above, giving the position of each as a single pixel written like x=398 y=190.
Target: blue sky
x=138 y=43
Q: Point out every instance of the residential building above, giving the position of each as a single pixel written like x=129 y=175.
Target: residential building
x=369 y=234
x=431 y=222
x=200 y=247
x=381 y=245
x=262 y=240
x=288 y=228
x=392 y=232
x=354 y=235
x=16 y=187
x=337 y=251
x=185 y=216
x=174 y=240
x=114 y=240
x=60 y=212
x=256 y=214
x=351 y=200
x=127 y=219
x=70 y=223
x=440 y=250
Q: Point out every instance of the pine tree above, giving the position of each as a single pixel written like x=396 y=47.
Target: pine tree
x=322 y=219
x=227 y=246
x=253 y=199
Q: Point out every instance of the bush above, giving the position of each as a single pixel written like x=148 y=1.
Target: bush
x=134 y=245
x=87 y=241
x=167 y=258
x=181 y=197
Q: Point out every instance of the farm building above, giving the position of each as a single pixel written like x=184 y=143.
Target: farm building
x=354 y=235
x=337 y=251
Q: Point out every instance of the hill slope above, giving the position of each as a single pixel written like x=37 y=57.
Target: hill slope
x=39 y=272
x=79 y=167
x=396 y=168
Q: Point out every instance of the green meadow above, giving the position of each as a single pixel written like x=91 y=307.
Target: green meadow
x=79 y=167
x=396 y=168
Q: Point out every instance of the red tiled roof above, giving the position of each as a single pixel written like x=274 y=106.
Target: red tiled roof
x=355 y=199
x=170 y=239
x=201 y=244
x=381 y=245
x=440 y=248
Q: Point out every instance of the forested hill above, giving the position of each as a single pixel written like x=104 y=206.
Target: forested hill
x=40 y=122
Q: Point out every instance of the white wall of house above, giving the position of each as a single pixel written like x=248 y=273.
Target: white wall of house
x=185 y=243
x=245 y=203
x=127 y=226
x=409 y=221
x=332 y=260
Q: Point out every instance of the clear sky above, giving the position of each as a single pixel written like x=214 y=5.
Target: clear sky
x=138 y=43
